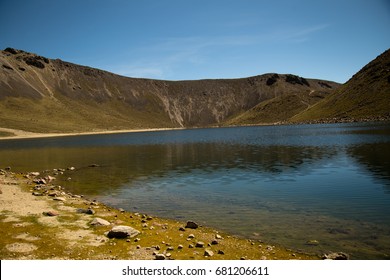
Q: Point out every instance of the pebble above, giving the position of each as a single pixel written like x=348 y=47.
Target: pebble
x=191 y=246
x=180 y=247
x=99 y=222
x=182 y=229
x=220 y=252
x=217 y=236
x=208 y=253
x=51 y=213
x=170 y=248
x=160 y=257
x=199 y=244
x=191 y=236
x=214 y=242
x=191 y=224
x=168 y=255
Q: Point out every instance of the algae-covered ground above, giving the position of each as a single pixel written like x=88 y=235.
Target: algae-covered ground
x=40 y=220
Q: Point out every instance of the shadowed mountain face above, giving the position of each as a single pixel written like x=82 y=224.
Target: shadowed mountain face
x=44 y=95
x=365 y=96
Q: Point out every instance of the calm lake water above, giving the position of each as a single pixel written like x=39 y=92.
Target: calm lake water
x=281 y=184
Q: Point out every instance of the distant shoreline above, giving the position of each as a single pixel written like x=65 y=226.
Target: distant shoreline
x=10 y=134
x=21 y=134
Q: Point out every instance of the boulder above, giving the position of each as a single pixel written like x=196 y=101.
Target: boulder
x=208 y=253
x=99 y=222
x=122 y=232
x=191 y=224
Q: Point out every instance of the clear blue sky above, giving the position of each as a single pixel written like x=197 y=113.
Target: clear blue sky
x=195 y=39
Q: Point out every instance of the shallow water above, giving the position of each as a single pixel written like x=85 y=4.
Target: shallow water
x=282 y=184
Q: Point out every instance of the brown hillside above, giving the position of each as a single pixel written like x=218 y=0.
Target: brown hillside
x=365 y=96
x=44 y=95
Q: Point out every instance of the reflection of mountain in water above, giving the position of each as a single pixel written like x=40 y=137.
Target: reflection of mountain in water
x=119 y=165
x=375 y=157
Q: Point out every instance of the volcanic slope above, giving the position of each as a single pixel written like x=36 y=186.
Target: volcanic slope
x=366 y=96
x=49 y=95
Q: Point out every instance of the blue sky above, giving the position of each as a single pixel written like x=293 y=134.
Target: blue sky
x=197 y=39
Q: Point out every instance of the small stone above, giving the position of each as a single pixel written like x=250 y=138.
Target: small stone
x=191 y=224
x=199 y=244
x=208 y=253
x=220 y=252
x=168 y=255
x=122 y=232
x=137 y=240
x=214 y=242
x=182 y=229
x=217 y=236
x=138 y=246
x=191 y=246
x=121 y=210
x=170 y=248
x=180 y=247
x=71 y=168
x=160 y=257
x=37 y=194
x=59 y=199
x=99 y=222
x=243 y=258
x=157 y=247
x=336 y=256
x=51 y=213
x=34 y=174
x=313 y=242
x=191 y=236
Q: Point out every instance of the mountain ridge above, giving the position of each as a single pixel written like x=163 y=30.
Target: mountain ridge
x=50 y=95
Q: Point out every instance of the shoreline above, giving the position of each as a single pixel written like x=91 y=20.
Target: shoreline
x=40 y=220
x=10 y=134
x=22 y=134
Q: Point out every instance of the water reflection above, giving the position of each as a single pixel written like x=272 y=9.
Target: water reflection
x=287 y=184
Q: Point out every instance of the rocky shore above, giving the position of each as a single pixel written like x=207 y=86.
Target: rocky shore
x=41 y=220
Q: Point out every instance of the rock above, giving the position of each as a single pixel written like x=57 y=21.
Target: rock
x=122 y=232
x=49 y=178
x=99 y=222
x=214 y=242
x=182 y=229
x=180 y=247
x=191 y=246
x=33 y=174
x=208 y=253
x=168 y=255
x=121 y=210
x=336 y=256
x=220 y=252
x=40 y=181
x=170 y=248
x=191 y=236
x=86 y=211
x=313 y=242
x=59 y=198
x=199 y=244
x=157 y=247
x=191 y=224
x=71 y=168
x=160 y=257
x=37 y=194
x=217 y=236
x=51 y=213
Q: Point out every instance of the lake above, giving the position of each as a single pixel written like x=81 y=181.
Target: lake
x=315 y=188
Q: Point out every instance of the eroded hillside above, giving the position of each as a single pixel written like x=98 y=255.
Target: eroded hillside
x=45 y=95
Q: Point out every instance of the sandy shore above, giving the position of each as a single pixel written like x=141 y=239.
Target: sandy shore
x=40 y=220
x=21 y=134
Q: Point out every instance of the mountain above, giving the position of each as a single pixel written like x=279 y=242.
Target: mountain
x=366 y=96
x=49 y=95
